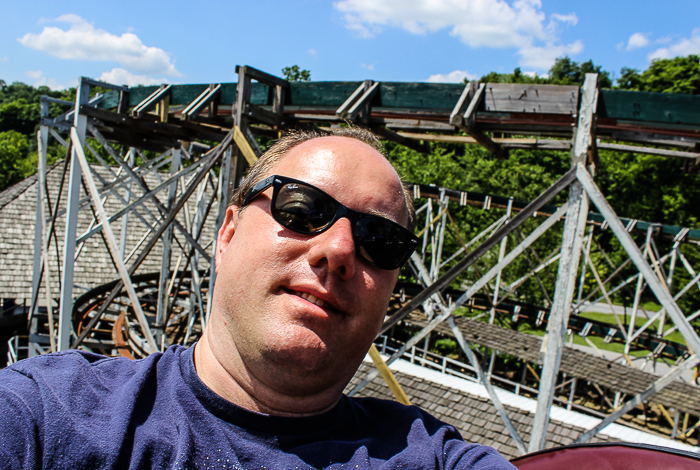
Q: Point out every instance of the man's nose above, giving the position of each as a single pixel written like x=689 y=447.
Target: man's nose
x=336 y=247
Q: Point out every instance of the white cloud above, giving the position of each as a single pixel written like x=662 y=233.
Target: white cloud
x=571 y=18
x=520 y=24
x=119 y=76
x=368 y=66
x=313 y=52
x=542 y=57
x=456 y=76
x=81 y=41
x=682 y=47
x=636 y=41
x=664 y=40
x=4 y=59
x=40 y=80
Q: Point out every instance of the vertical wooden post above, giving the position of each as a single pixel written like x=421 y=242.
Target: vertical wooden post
x=42 y=138
x=162 y=307
x=572 y=242
x=82 y=96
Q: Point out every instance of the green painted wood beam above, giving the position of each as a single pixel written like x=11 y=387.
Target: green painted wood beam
x=638 y=107
x=664 y=108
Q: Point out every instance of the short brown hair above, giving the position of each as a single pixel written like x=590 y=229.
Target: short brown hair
x=279 y=149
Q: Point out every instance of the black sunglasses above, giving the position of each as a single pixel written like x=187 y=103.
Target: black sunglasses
x=306 y=209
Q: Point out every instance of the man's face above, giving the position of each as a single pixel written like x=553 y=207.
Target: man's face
x=298 y=312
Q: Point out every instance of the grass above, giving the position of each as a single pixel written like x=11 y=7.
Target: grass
x=601 y=317
x=596 y=340
x=639 y=321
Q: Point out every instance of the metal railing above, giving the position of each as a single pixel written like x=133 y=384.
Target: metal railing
x=15 y=347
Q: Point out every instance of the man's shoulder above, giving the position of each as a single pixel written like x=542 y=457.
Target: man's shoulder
x=66 y=367
x=381 y=410
x=386 y=417
x=422 y=434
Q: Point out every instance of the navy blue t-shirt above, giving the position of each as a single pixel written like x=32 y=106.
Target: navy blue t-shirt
x=83 y=411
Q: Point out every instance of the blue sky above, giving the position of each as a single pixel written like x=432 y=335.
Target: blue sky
x=54 y=42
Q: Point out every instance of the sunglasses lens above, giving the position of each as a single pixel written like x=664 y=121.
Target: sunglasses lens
x=303 y=209
x=382 y=243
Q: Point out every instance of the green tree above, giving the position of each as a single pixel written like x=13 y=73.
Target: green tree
x=516 y=77
x=568 y=72
x=14 y=150
x=294 y=74
x=630 y=79
x=564 y=72
x=19 y=115
x=677 y=75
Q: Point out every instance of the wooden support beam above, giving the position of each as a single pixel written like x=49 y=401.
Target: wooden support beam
x=468 y=121
x=99 y=83
x=649 y=151
x=260 y=114
x=457 y=116
x=150 y=102
x=205 y=99
x=572 y=242
x=260 y=76
x=163 y=108
x=411 y=143
x=166 y=132
x=359 y=102
x=388 y=377
x=123 y=103
x=244 y=146
x=548 y=144
x=48 y=99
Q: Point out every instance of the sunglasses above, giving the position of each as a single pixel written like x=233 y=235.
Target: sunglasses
x=305 y=209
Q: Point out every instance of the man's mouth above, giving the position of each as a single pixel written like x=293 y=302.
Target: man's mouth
x=313 y=299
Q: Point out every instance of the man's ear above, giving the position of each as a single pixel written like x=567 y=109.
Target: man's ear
x=226 y=232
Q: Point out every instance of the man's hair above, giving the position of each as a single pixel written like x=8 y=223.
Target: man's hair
x=266 y=163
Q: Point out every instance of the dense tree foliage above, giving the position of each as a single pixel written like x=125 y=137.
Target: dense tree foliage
x=19 y=120
x=677 y=75
x=295 y=74
x=564 y=72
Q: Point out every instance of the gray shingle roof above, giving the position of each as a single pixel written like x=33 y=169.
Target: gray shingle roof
x=94 y=266
x=474 y=417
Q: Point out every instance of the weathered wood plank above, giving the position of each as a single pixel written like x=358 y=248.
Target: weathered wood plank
x=410 y=142
x=526 y=98
x=649 y=151
x=507 y=142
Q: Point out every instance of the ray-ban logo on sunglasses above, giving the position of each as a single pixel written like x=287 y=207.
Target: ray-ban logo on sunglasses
x=292 y=186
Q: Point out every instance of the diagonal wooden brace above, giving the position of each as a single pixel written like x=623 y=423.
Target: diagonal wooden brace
x=474 y=95
x=206 y=98
x=359 y=102
x=149 y=103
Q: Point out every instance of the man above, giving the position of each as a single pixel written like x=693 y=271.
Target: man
x=306 y=260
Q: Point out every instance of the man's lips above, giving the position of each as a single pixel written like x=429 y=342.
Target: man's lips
x=313 y=299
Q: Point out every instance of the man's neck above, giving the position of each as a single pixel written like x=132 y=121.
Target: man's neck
x=238 y=385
